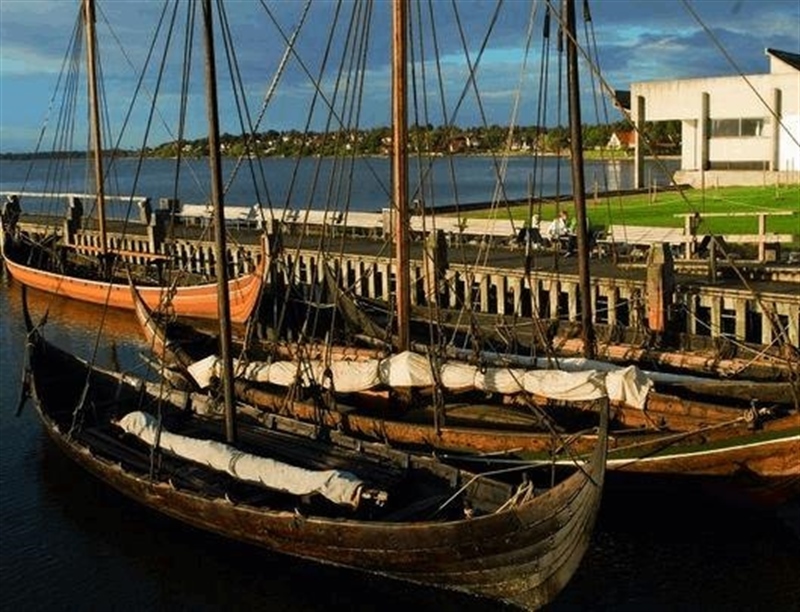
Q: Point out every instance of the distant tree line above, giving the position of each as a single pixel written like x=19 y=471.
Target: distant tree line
x=421 y=139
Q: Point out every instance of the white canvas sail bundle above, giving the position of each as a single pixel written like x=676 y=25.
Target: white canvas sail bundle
x=409 y=369
x=338 y=486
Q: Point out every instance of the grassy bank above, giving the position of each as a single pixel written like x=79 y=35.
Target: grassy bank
x=660 y=209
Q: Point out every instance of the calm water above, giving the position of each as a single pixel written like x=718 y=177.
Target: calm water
x=68 y=543
x=318 y=182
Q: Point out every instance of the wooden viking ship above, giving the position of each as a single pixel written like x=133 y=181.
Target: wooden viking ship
x=404 y=516
x=192 y=301
x=514 y=534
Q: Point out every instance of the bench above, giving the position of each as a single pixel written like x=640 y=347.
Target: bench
x=201 y=214
x=769 y=238
x=635 y=240
x=461 y=230
x=768 y=243
x=642 y=235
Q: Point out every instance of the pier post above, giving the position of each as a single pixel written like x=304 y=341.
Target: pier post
x=453 y=279
x=740 y=306
x=435 y=264
x=273 y=248
x=660 y=286
x=416 y=275
x=611 y=317
x=500 y=282
x=385 y=287
x=553 y=290
x=762 y=238
x=572 y=301
x=514 y=288
x=766 y=324
x=712 y=261
x=374 y=285
x=793 y=319
x=716 y=316
x=483 y=292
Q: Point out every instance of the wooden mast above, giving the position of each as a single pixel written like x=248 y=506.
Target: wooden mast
x=578 y=185
x=94 y=115
x=223 y=300
x=400 y=174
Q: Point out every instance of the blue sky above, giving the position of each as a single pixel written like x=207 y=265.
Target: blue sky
x=637 y=40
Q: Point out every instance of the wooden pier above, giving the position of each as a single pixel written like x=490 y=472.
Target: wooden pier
x=758 y=304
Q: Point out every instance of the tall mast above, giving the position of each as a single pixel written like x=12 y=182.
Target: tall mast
x=578 y=185
x=223 y=300
x=94 y=113
x=400 y=174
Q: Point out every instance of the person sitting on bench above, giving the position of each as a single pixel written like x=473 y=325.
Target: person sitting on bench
x=559 y=231
x=531 y=233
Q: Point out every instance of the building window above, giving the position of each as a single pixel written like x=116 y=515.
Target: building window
x=724 y=128
x=737 y=128
x=752 y=127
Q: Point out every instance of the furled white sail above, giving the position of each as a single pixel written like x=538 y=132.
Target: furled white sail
x=629 y=386
x=338 y=486
x=567 y=386
x=409 y=369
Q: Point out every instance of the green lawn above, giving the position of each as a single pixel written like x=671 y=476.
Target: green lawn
x=661 y=209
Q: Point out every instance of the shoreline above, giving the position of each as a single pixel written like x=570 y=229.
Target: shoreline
x=589 y=155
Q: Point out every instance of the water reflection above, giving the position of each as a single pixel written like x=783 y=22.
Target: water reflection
x=80 y=327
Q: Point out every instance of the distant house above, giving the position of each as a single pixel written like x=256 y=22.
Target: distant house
x=622 y=140
x=459 y=144
x=523 y=146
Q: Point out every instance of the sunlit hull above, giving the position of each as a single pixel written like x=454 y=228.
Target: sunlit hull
x=196 y=301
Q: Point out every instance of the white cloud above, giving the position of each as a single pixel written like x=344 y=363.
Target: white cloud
x=17 y=60
x=33 y=35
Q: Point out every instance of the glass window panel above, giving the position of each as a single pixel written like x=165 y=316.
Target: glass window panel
x=752 y=127
x=724 y=128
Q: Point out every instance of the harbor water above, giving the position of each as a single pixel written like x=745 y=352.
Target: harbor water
x=67 y=542
x=318 y=183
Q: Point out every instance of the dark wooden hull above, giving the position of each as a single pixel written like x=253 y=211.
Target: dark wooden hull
x=674 y=437
x=762 y=466
x=768 y=454
x=523 y=553
x=560 y=339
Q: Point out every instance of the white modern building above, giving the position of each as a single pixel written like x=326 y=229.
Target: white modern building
x=736 y=130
